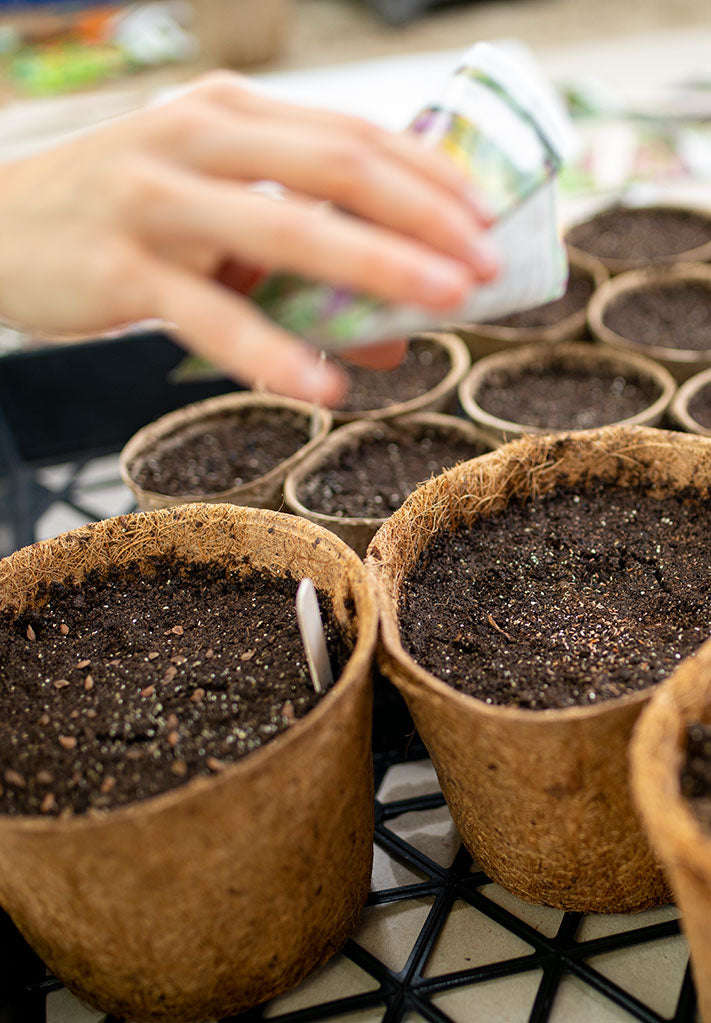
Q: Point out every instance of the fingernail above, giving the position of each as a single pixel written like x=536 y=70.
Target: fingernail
x=442 y=284
x=484 y=257
x=321 y=383
x=481 y=209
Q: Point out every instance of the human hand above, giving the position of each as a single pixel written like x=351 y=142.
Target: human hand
x=154 y=216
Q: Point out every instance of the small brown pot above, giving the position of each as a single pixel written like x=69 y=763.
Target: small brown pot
x=681 y=363
x=700 y=254
x=217 y=895
x=683 y=845
x=679 y=409
x=579 y=355
x=357 y=532
x=487 y=338
x=264 y=492
x=540 y=797
x=439 y=398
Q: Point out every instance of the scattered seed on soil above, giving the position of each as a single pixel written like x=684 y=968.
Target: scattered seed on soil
x=424 y=365
x=559 y=396
x=223 y=452
x=593 y=594
x=577 y=295
x=84 y=664
x=88 y=683
x=15 y=778
x=214 y=765
x=48 y=803
x=60 y=683
x=64 y=629
x=696 y=771
x=674 y=316
x=31 y=634
x=641 y=235
x=373 y=478
x=221 y=707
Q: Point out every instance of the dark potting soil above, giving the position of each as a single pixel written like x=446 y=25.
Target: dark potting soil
x=223 y=452
x=649 y=235
x=700 y=406
x=696 y=771
x=372 y=479
x=558 y=396
x=424 y=365
x=131 y=684
x=665 y=316
x=570 y=599
x=577 y=294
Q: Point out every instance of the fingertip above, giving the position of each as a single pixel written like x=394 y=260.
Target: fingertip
x=382 y=356
x=321 y=383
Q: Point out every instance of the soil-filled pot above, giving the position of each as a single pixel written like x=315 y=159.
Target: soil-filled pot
x=236 y=448
x=227 y=888
x=365 y=470
x=564 y=386
x=425 y=381
x=564 y=319
x=691 y=408
x=634 y=237
x=540 y=796
x=665 y=314
x=664 y=791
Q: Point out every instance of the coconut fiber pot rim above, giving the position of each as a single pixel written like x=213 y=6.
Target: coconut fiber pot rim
x=343 y=437
x=436 y=397
x=700 y=254
x=174 y=423
x=259 y=760
x=683 y=362
x=421 y=508
x=679 y=408
x=566 y=328
x=575 y=352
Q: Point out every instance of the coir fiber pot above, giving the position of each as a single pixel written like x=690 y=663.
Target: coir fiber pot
x=225 y=891
x=487 y=338
x=681 y=362
x=540 y=797
x=440 y=398
x=682 y=410
x=587 y=358
x=618 y=258
x=357 y=532
x=683 y=844
x=186 y=423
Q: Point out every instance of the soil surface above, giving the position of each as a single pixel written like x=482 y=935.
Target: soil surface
x=700 y=406
x=666 y=316
x=425 y=364
x=223 y=452
x=696 y=771
x=373 y=479
x=570 y=599
x=577 y=295
x=641 y=235
x=557 y=396
x=132 y=684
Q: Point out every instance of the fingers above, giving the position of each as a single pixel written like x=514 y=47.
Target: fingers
x=233 y=335
x=381 y=356
x=335 y=165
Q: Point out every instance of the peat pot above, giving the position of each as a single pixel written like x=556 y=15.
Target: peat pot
x=666 y=315
x=680 y=839
x=223 y=892
x=385 y=388
x=691 y=408
x=565 y=386
x=564 y=319
x=540 y=796
x=358 y=531
x=304 y=427
x=635 y=237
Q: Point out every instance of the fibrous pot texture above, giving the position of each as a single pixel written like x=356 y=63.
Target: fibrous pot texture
x=635 y=237
x=691 y=407
x=487 y=338
x=219 y=894
x=358 y=531
x=632 y=288
x=439 y=398
x=682 y=842
x=540 y=797
x=167 y=434
x=586 y=360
